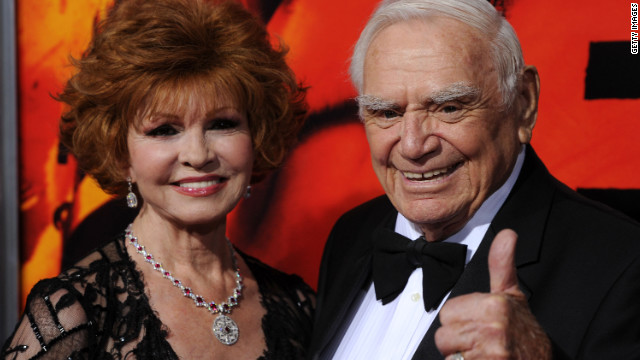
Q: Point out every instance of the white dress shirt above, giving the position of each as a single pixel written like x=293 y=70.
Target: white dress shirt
x=395 y=330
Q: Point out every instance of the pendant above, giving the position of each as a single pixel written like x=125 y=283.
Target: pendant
x=132 y=200
x=225 y=330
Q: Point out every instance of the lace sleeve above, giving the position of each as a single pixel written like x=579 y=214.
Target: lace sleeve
x=54 y=325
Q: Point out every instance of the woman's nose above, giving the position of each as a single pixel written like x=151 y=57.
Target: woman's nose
x=196 y=151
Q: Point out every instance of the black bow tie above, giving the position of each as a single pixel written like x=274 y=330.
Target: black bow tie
x=395 y=257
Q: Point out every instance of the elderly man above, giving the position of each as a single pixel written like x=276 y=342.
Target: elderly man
x=434 y=268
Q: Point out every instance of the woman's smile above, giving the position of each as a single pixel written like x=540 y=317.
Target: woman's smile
x=200 y=188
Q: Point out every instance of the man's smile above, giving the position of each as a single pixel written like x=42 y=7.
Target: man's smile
x=433 y=175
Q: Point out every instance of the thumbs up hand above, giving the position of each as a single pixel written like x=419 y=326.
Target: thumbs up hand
x=495 y=325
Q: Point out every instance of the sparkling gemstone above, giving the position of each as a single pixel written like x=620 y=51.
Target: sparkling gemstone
x=132 y=200
x=225 y=330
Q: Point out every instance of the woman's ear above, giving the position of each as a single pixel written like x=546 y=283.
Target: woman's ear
x=528 y=94
x=126 y=172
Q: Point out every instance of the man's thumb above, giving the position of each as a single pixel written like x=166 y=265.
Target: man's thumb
x=502 y=270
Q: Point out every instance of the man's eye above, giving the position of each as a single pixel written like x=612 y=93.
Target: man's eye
x=390 y=114
x=451 y=113
x=448 y=109
x=162 y=130
x=223 y=124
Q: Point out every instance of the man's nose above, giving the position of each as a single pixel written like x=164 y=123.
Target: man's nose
x=417 y=135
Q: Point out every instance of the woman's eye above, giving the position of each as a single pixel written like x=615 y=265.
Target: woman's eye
x=223 y=124
x=162 y=130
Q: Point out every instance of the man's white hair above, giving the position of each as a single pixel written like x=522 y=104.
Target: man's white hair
x=479 y=14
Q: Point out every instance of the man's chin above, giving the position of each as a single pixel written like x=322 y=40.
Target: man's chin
x=427 y=211
x=433 y=220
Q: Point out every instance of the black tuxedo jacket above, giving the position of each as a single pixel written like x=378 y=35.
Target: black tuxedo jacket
x=578 y=263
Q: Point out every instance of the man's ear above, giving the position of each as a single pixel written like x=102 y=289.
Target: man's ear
x=528 y=94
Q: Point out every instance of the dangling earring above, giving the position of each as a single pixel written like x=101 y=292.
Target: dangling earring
x=132 y=199
x=247 y=193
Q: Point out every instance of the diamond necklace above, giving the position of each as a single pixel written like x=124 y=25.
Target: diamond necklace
x=224 y=328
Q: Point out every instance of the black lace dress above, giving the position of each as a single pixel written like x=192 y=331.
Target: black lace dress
x=98 y=310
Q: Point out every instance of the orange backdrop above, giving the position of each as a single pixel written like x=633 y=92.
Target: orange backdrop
x=585 y=143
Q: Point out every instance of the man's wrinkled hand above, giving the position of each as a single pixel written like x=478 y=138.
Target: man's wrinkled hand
x=495 y=325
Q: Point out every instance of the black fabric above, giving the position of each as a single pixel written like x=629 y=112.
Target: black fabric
x=578 y=264
x=99 y=310
x=395 y=257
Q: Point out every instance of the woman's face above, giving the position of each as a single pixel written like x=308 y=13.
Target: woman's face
x=191 y=158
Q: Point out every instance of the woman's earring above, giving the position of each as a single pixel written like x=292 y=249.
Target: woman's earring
x=132 y=199
x=247 y=194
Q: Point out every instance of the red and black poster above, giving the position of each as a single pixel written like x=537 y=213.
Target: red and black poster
x=587 y=133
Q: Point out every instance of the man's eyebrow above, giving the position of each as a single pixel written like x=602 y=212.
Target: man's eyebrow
x=455 y=91
x=374 y=103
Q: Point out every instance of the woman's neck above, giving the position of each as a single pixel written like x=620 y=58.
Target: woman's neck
x=199 y=252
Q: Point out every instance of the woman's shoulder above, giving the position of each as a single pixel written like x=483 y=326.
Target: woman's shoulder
x=83 y=308
x=88 y=282
x=59 y=317
x=56 y=322
x=271 y=279
x=110 y=254
x=83 y=272
x=290 y=305
x=281 y=290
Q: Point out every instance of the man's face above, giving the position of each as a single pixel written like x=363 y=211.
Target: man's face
x=441 y=142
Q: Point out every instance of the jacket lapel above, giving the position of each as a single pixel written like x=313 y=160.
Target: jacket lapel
x=345 y=290
x=348 y=282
